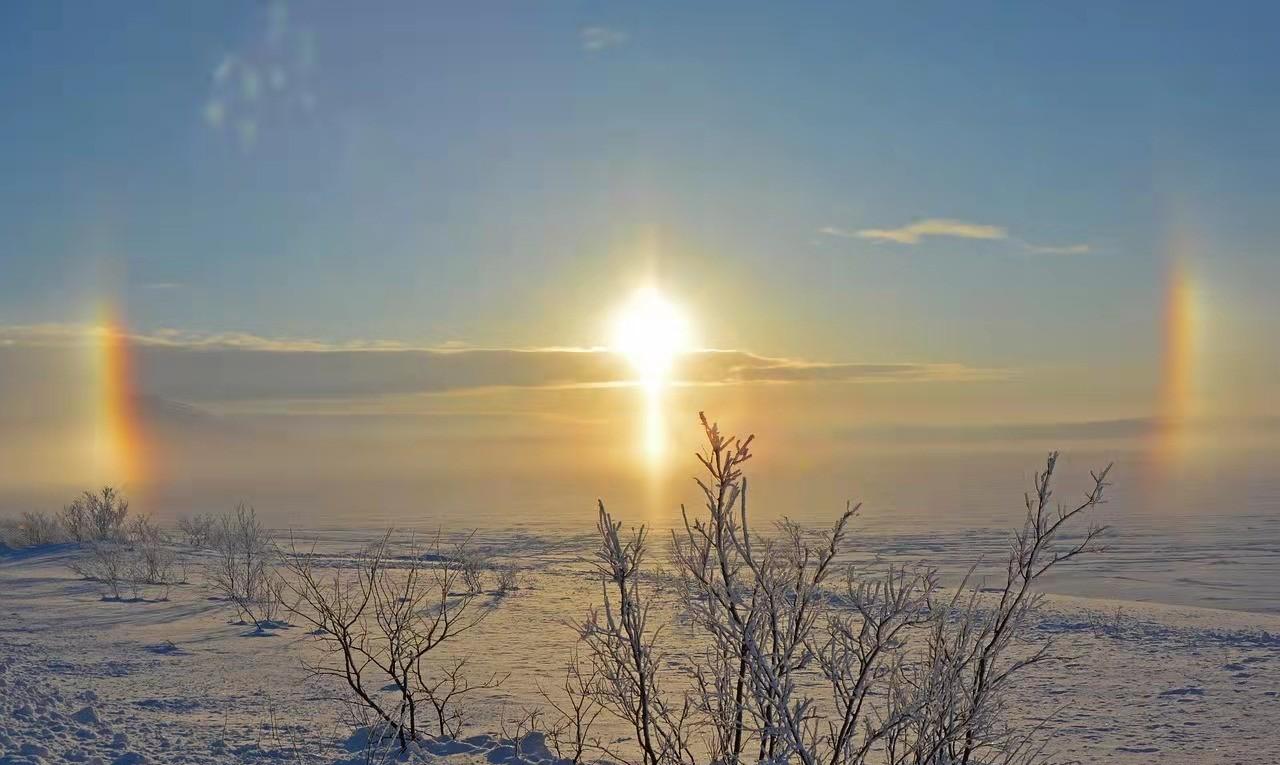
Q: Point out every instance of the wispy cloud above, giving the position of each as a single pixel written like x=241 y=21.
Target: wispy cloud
x=915 y=232
x=764 y=369
x=1045 y=249
x=599 y=38
x=193 y=368
x=265 y=82
x=160 y=285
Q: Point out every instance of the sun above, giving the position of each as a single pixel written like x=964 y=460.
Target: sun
x=650 y=331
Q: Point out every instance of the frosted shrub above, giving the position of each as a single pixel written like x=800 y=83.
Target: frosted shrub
x=802 y=661
x=107 y=563
x=378 y=622
x=472 y=565
x=10 y=534
x=507 y=578
x=139 y=558
x=42 y=529
x=197 y=530
x=96 y=517
x=152 y=560
x=244 y=569
x=31 y=530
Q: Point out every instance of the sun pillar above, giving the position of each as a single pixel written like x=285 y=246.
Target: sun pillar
x=1181 y=322
x=119 y=443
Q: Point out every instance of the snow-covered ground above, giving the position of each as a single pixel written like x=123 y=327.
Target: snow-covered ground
x=174 y=681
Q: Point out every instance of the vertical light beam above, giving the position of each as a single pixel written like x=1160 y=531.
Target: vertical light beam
x=1179 y=328
x=120 y=446
x=655 y=425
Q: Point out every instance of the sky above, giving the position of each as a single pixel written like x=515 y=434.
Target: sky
x=406 y=228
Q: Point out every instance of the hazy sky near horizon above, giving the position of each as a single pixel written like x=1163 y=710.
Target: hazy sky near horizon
x=880 y=212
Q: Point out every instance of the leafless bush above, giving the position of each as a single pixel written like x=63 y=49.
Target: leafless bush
x=135 y=562
x=631 y=682
x=10 y=534
x=108 y=563
x=516 y=728
x=377 y=622
x=152 y=562
x=507 y=578
x=121 y=553
x=244 y=569
x=372 y=740
x=473 y=565
x=288 y=744
x=198 y=530
x=31 y=530
x=576 y=711
x=96 y=517
x=977 y=646
x=447 y=691
x=1108 y=624
x=42 y=529
x=759 y=600
x=795 y=668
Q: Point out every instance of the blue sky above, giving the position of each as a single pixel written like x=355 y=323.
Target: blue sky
x=502 y=174
x=899 y=220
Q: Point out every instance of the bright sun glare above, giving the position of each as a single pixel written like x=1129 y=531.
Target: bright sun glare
x=650 y=332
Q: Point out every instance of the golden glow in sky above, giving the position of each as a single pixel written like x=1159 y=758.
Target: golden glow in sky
x=1181 y=325
x=650 y=331
x=119 y=442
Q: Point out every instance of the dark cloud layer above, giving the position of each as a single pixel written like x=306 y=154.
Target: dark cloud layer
x=240 y=368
